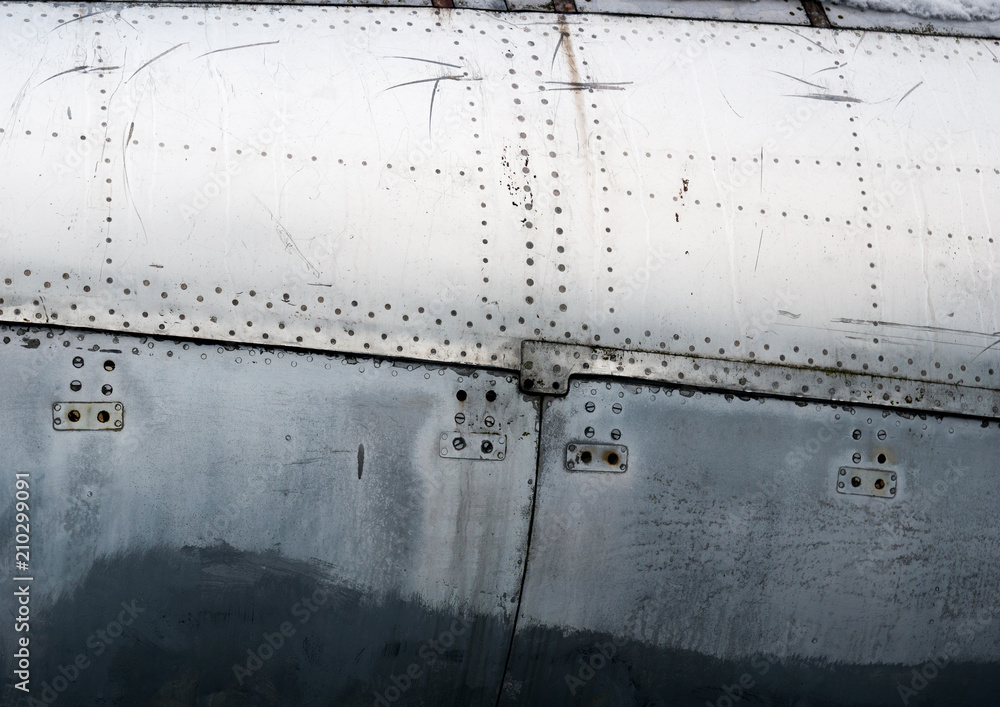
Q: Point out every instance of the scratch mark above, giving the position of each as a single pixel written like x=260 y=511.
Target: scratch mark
x=82 y=70
x=77 y=19
x=759 y=242
x=288 y=242
x=762 y=170
x=594 y=86
x=319 y=284
x=63 y=73
x=986 y=349
x=729 y=104
x=795 y=78
x=555 y=53
x=915 y=327
x=826 y=97
x=435 y=80
x=242 y=46
x=788 y=314
x=908 y=93
x=315 y=460
x=69 y=113
x=427 y=61
x=15 y=106
x=828 y=51
x=128 y=183
x=154 y=265
x=430 y=114
x=361 y=459
x=830 y=68
x=158 y=56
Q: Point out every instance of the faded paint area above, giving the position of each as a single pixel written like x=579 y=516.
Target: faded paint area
x=245 y=477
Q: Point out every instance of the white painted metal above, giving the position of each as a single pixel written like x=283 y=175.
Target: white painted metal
x=304 y=176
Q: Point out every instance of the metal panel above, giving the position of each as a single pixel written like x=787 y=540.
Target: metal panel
x=547 y=368
x=725 y=566
x=758 y=193
x=883 y=21
x=783 y=11
x=258 y=497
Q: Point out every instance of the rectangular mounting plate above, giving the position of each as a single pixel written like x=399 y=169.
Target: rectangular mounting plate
x=471 y=445
x=866 y=482
x=88 y=416
x=584 y=456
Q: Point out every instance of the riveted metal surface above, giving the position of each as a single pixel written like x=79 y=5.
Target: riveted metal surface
x=88 y=416
x=246 y=480
x=547 y=368
x=473 y=445
x=584 y=456
x=726 y=550
x=880 y=483
x=303 y=176
x=782 y=11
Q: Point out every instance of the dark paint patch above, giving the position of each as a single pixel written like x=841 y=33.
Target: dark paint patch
x=31 y=343
x=547 y=668
x=198 y=613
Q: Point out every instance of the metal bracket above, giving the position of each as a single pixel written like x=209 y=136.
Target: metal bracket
x=88 y=416
x=546 y=369
x=472 y=445
x=866 y=482
x=584 y=456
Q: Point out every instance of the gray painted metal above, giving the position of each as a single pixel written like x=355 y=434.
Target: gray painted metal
x=248 y=485
x=725 y=550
